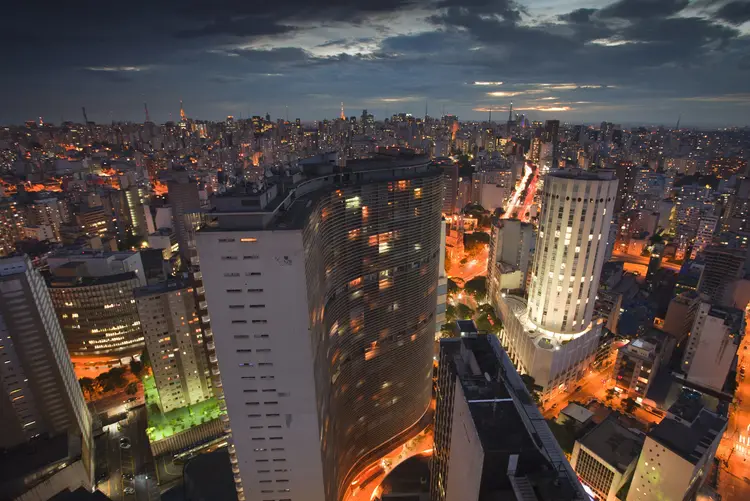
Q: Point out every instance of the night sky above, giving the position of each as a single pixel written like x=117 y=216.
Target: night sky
x=630 y=61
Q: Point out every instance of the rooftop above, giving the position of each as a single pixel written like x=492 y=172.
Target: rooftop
x=60 y=282
x=160 y=288
x=689 y=440
x=613 y=443
x=31 y=457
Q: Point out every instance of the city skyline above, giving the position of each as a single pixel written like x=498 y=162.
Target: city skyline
x=628 y=61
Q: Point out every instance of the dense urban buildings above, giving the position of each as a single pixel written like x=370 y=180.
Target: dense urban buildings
x=322 y=302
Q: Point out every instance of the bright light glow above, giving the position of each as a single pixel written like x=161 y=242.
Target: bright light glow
x=487 y=83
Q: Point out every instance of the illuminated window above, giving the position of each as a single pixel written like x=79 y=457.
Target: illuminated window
x=248 y=239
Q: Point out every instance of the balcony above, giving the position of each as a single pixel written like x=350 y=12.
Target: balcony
x=201 y=290
x=205 y=319
x=208 y=333
x=211 y=346
x=212 y=358
x=215 y=371
x=198 y=275
x=202 y=305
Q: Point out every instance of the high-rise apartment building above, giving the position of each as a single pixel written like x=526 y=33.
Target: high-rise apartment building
x=50 y=212
x=705 y=234
x=174 y=342
x=636 y=366
x=490 y=439
x=184 y=198
x=11 y=226
x=680 y=314
x=40 y=394
x=322 y=305
x=714 y=340
x=552 y=336
x=722 y=266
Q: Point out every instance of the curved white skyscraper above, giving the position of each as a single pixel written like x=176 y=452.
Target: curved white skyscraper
x=552 y=335
x=574 y=224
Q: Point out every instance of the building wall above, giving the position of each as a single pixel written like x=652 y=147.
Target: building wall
x=265 y=357
x=174 y=342
x=37 y=374
x=680 y=316
x=710 y=350
x=599 y=475
x=466 y=461
x=572 y=240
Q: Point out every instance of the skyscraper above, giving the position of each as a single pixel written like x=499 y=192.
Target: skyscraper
x=722 y=266
x=491 y=442
x=40 y=394
x=552 y=336
x=174 y=340
x=322 y=303
x=184 y=198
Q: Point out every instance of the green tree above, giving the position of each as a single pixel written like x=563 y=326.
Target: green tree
x=448 y=330
x=145 y=360
x=131 y=389
x=477 y=287
x=464 y=312
x=453 y=287
x=565 y=434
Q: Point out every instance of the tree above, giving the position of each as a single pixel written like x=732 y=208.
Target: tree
x=131 y=389
x=610 y=394
x=463 y=312
x=452 y=287
x=145 y=361
x=87 y=386
x=136 y=367
x=475 y=242
x=629 y=405
x=565 y=434
x=477 y=287
x=448 y=330
x=450 y=313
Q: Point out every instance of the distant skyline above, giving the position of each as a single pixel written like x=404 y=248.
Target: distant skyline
x=580 y=61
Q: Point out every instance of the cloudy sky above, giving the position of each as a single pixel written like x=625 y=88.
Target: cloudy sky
x=627 y=61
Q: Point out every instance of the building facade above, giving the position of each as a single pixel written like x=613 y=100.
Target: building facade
x=174 y=342
x=40 y=394
x=322 y=305
x=553 y=335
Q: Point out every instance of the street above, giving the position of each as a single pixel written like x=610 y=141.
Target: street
x=130 y=467
x=734 y=450
x=642 y=260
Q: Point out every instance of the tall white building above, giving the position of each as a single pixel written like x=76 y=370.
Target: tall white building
x=174 y=341
x=552 y=335
x=510 y=252
x=322 y=304
x=713 y=343
x=39 y=393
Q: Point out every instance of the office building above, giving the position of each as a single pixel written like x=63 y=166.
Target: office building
x=714 y=340
x=174 y=342
x=705 y=234
x=681 y=314
x=677 y=456
x=442 y=286
x=490 y=440
x=96 y=311
x=510 y=251
x=11 y=226
x=553 y=336
x=605 y=458
x=40 y=394
x=722 y=266
x=322 y=306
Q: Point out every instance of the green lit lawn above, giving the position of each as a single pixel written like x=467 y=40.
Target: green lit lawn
x=161 y=426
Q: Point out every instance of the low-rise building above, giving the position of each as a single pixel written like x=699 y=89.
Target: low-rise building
x=605 y=458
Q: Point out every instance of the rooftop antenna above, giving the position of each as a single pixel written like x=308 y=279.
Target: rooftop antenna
x=678 y=122
x=287 y=112
x=343 y=117
x=85 y=118
x=425 y=110
x=510 y=113
x=145 y=107
x=489 y=120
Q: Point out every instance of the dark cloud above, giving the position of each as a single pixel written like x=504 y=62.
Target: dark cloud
x=578 y=16
x=736 y=12
x=643 y=9
x=649 y=53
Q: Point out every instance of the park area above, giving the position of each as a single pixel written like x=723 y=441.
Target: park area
x=161 y=426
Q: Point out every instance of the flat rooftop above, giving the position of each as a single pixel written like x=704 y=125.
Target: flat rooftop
x=689 y=440
x=615 y=444
x=160 y=288
x=70 y=282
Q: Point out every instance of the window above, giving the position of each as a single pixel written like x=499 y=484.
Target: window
x=236 y=306
x=255 y=290
x=256 y=306
x=226 y=240
x=239 y=321
x=231 y=274
x=228 y=258
x=260 y=321
x=264 y=350
x=252 y=256
x=244 y=350
x=248 y=240
x=234 y=291
x=241 y=336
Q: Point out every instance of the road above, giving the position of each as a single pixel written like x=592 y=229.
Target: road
x=135 y=462
x=595 y=385
x=473 y=268
x=734 y=450
x=366 y=486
